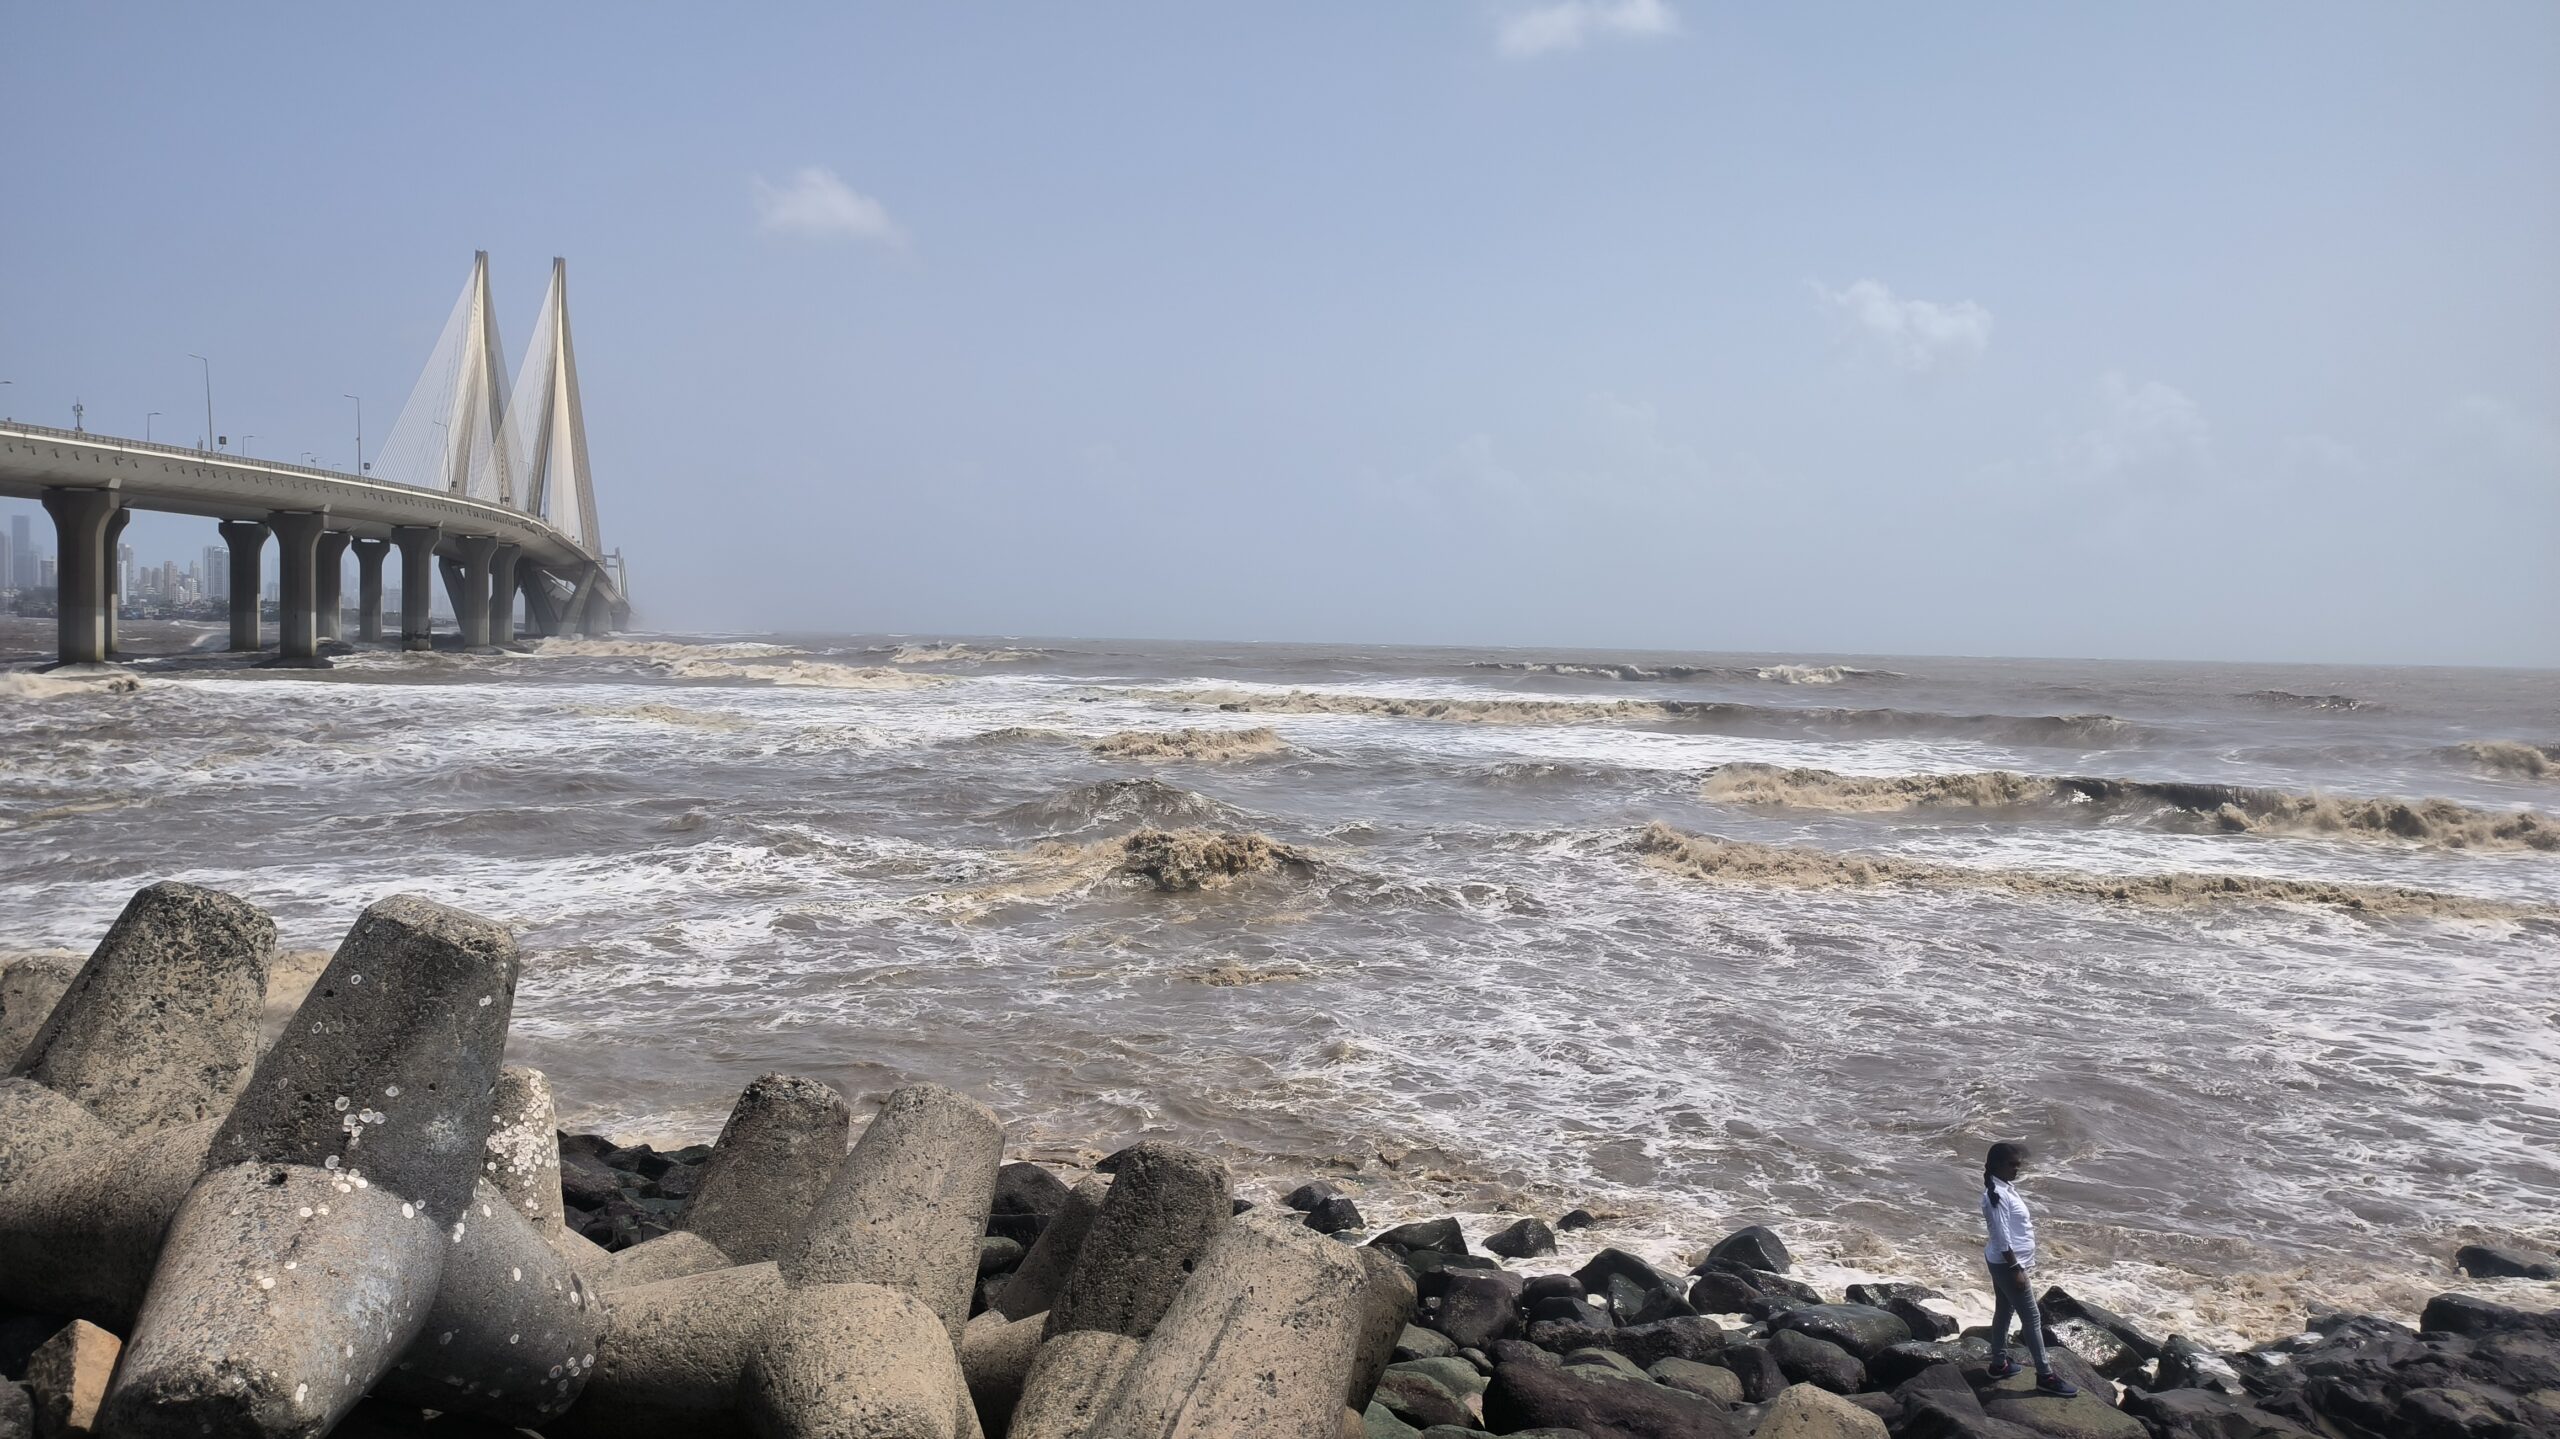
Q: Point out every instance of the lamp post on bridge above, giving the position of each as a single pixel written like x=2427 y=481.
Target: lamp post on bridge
x=146 y=425
x=244 y=445
x=208 y=398
x=359 y=399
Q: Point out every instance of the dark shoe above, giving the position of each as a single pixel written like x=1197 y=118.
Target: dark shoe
x=2056 y=1385
x=2005 y=1368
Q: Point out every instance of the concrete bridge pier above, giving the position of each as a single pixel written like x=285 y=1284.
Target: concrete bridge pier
x=332 y=574
x=541 y=607
x=502 y=594
x=297 y=581
x=471 y=593
x=369 y=555
x=115 y=569
x=82 y=594
x=248 y=541
x=417 y=581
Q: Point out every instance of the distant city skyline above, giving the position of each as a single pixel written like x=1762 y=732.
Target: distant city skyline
x=2178 y=332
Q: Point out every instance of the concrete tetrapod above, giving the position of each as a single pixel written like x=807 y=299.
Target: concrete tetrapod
x=996 y=1355
x=160 y=1027
x=1070 y=1381
x=1165 y=1204
x=293 y=1274
x=1259 y=1342
x=907 y=1206
x=856 y=1361
x=513 y=1329
x=1052 y=1257
x=673 y=1355
x=784 y=1141
x=671 y=1255
x=524 y=1165
x=1386 y=1307
x=80 y=1235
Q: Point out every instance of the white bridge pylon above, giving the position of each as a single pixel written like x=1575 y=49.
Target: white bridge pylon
x=467 y=431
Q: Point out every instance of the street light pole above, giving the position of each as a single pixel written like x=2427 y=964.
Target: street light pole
x=208 y=399
x=244 y=445
x=359 y=399
x=146 y=425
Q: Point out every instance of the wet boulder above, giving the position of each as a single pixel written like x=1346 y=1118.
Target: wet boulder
x=1857 y=1328
x=1307 y=1196
x=1755 y=1245
x=1806 y=1412
x=1334 y=1214
x=1526 y=1395
x=1441 y=1235
x=1476 y=1308
x=1636 y=1292
x=1522 y=1239
x=2500 y=1261
x=1806 y=1359
x=1692 y=1337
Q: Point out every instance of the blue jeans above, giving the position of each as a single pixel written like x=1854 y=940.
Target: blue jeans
x=2011 y=1296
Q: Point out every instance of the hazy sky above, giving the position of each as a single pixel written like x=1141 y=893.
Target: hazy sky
x=2212 y=331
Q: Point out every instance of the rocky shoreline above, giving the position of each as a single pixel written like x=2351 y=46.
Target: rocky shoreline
x=222 y=1216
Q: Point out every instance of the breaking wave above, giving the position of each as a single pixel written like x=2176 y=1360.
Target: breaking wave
x=2219 y=808
x=1192 y=744
x=1716 y=716
x=1112 y=803
x=959 y=655
x=1172 y=862
x=808 y=674
x=665 y=651
x=1709 y=857
x=1772 y=674
x=20 y=685
x=2287 y=699
x=2510 y=757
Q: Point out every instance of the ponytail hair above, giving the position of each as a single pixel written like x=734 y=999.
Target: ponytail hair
x=2002 y=1153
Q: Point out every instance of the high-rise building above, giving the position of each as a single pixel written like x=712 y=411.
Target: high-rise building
x=217 y=571
x=22 y=550
x=44 y=574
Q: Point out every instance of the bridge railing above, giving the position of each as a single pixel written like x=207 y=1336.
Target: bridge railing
x=189 y=452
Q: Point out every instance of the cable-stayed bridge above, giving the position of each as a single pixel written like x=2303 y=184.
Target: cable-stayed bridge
x=481 y=481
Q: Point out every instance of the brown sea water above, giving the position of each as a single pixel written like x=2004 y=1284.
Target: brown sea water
x=2260 y=959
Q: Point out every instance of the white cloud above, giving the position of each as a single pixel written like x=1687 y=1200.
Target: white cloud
x=2146 y=429
x=819 y=203
x=1568 y=24
x=1917 y=335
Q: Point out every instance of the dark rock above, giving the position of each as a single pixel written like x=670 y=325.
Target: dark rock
x=1420 y=1343
x=642 y=1160
x=679 y=1182
x=2200 y=1414
x=1026 y=1188
x=2060 y=1304
x=1936 y=1415
x=1860 y=1329
x=1424 y=1264
x=593 y=1146
x=1577 y=1219
x=996 y=1255
x=2185 y=1364
x=1707 y=1381
x=2090 y=1414
x=1937 y=1378
x=1419 y=1399
x=1441 y=1235
x=1921 y=1320
x=1692 y=1337
x=17 y=1412
x=1307 y=1196
x=1637 y=1292
x=2496 y=1261
x=1022 y=1229
x=1522 y=1239
x=1568 y=1309
x=1898 y=1364
x=1239 y=1206
x=1478 y=1309
x=1546 y=1285
x=1334 y=1214
x=1561 y=1336
x=1756 y=1245
x=1808 y=1360
x=1881 y=1296
x=691 y=1154
x=1758 y=1369
x=585 y=1182
x=2467 y=1314
x=1720 y=1293
x=1525 y=1396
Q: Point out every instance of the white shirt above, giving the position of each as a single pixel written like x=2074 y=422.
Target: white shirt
x=2013 y=1230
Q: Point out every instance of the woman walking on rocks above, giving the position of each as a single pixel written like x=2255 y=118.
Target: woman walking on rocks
x=2011 y=1253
